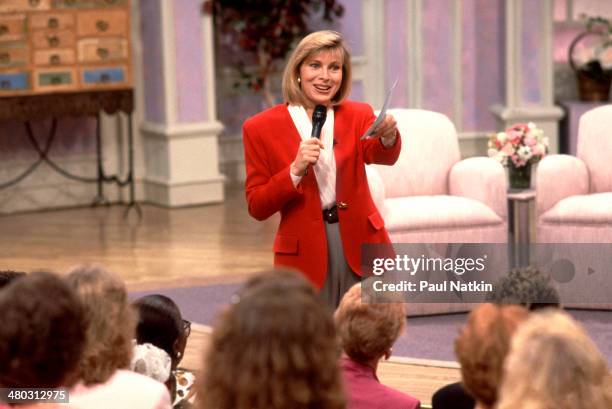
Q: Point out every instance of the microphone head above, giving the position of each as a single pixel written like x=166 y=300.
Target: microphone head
x=319 y=114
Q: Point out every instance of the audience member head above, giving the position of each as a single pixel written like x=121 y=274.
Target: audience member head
x=482 y=346
x=309 y=46
x=110 y=322
x=160 y=323
x=7 y=276
x=554 y=364
x=274 y=347
x=43 y=332
x=367 y=330
x=526 y=286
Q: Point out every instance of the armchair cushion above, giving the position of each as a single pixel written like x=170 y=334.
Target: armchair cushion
x=434 y=213
x=583 y=209
x=558 y=177
x=429 y=149
x=482 y=179
x=595 y=147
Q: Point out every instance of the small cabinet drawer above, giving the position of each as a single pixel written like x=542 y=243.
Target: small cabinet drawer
x=16 y=81
x=12 y=27
x=54 y=79
x=10 y=6
x=54 y=57
x=51 y=21
x=53 y=39
x=93 y=50
x=105 y=23
x=88 y=3
x=101 y=77
x=13 y=56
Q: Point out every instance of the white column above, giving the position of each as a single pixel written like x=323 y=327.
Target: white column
x=515 y=109
x=182 y=157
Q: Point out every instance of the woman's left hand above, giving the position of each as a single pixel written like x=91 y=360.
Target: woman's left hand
x=387 y=131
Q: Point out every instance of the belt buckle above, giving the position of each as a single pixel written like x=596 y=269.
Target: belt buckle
x=331 y=215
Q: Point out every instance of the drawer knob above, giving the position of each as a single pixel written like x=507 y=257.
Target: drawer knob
x=5 y=84
x=55 y=80
x=102 y=25
x=53 y=41
x=5 y=58
x=102 y=53
x=104 y=78
x=53 y=23
x=3 y=29
x=54 y=59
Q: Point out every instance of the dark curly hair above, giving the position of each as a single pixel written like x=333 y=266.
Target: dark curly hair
x=526 y=286
x=275 y=347
x=42 y=334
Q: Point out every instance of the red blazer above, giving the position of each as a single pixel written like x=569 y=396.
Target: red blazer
x=271 y=141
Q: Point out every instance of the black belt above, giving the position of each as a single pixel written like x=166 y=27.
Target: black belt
x=331 y=215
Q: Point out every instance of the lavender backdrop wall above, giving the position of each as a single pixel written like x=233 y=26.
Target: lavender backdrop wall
x=396 y=37
x=482 y=60
x=190 y=87
x=152 y=61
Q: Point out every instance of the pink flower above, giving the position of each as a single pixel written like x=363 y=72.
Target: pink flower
x=508 y=149
x=530 y=140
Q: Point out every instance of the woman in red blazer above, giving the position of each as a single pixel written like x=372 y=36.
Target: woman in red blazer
x=318 y=185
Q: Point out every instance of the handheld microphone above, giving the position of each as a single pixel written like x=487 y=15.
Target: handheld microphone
x=319 y=115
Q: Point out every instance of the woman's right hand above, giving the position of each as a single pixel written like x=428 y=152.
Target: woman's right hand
x=307 y=154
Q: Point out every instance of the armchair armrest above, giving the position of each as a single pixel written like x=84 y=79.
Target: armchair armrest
x=558 y=177
x=377 y=189
x=482 y=179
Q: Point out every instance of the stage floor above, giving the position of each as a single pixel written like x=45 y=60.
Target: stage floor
x=217 y=243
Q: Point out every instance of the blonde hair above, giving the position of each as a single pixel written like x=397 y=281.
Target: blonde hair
x=554 y=364
x=310 y=45
x=367 y=329
x=111 y=323
x=482 y=346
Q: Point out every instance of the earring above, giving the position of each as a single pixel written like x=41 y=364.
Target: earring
x=299 y=80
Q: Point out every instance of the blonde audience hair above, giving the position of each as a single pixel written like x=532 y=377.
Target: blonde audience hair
x=367 y=329
x=310 y=45
x=554 y=364
x=111 y=323
x=482 y=346
x=273 y=348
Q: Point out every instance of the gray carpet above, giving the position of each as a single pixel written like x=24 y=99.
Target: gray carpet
x=425 y=338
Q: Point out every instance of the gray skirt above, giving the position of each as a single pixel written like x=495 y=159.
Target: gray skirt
x=340 y=277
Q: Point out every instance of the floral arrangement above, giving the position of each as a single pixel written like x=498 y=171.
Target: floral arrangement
x=522 y=144
x=593 y=48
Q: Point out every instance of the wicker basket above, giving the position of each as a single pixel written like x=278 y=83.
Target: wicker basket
x=590 y=87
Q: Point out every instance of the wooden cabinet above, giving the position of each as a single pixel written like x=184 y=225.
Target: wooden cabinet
x=51 y=46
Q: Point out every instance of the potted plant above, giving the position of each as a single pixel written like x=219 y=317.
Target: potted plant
x=590 y=56
x=519 y=147
x=265 y=32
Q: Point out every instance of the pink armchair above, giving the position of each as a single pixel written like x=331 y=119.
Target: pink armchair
x=430 y=195
x=574 y=194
